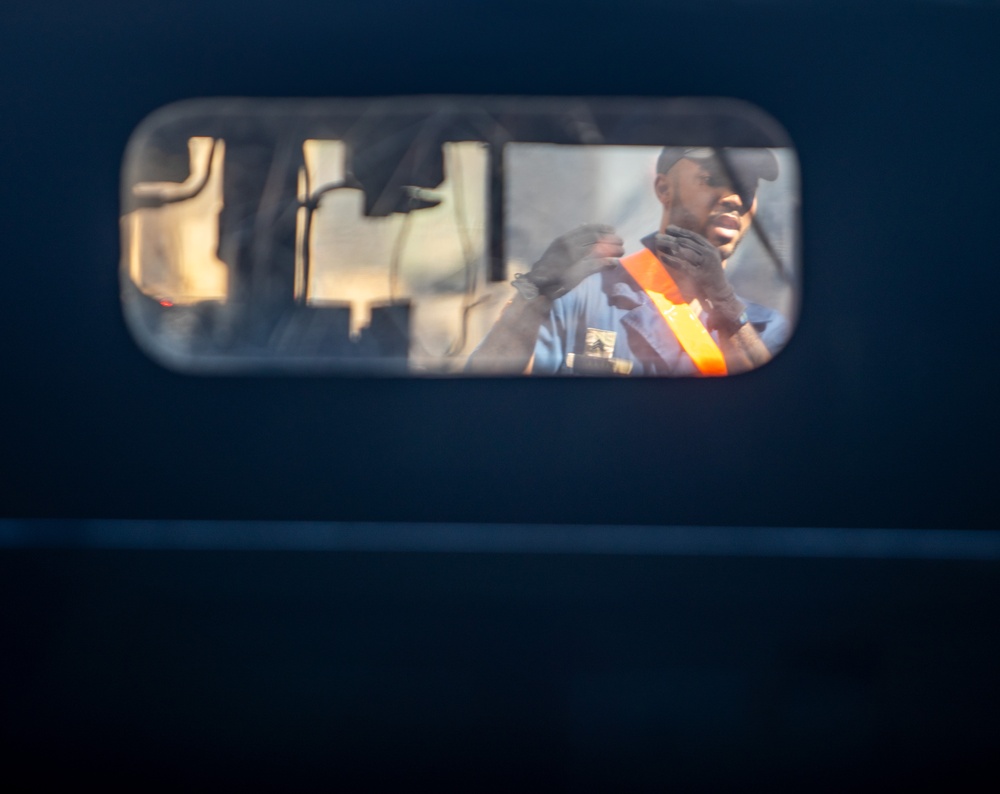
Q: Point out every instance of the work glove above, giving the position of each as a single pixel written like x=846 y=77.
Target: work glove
x=698 y=263
x=570 y=259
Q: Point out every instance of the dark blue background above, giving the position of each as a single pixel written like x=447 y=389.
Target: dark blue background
x=880 y=413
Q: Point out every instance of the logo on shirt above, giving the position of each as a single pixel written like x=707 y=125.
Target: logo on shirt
x=599 y=343
x=596 y=359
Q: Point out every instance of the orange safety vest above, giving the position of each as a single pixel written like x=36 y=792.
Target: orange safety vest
x=697 y=342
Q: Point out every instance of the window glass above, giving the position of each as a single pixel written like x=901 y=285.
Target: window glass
x=442 y=236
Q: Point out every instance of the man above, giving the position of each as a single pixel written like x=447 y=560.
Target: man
x=667 y=310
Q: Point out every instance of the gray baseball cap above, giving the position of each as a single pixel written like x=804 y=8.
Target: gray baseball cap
x=742 y=168
x=743 y=163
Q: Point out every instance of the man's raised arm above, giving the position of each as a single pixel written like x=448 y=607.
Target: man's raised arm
x=508 y=347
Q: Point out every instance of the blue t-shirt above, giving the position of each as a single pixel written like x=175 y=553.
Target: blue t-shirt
x=610 y=310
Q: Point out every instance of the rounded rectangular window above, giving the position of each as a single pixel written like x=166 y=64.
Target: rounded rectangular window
x=461 y=236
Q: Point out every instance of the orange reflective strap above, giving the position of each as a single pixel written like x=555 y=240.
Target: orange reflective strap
x=697 y=342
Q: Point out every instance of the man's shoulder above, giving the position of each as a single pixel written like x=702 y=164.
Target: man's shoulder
x=772 y=325
x=758 y=313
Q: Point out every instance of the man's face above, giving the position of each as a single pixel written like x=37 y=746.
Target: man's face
x=698 y=196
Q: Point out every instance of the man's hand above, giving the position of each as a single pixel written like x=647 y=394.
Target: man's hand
x=574 y=256
x=699 y=264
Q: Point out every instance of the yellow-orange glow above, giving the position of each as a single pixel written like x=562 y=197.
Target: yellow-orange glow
x=172 y=249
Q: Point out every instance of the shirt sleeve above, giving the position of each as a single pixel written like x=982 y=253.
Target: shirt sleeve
x=772 y=327
x=776 y=334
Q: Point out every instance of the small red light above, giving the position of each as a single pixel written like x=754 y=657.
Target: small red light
x=166 y=303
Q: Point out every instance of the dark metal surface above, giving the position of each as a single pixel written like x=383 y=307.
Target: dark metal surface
x=288 y=669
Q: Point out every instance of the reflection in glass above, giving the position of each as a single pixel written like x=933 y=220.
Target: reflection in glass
x=457 y=236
